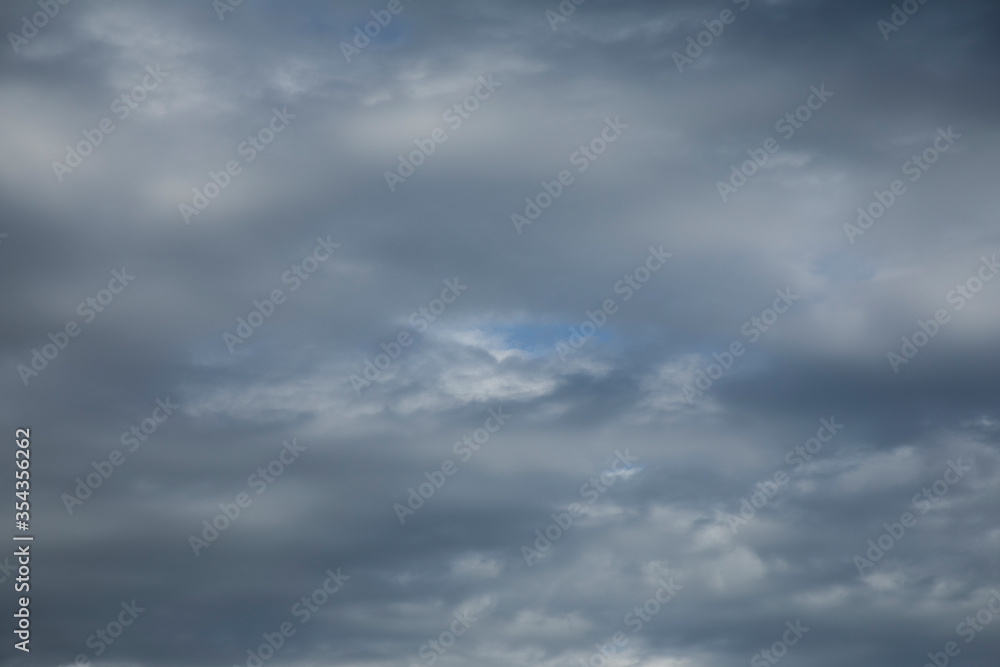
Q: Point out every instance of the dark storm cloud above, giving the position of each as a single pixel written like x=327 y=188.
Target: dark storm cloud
x=501 y=344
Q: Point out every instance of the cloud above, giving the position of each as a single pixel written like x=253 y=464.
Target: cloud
x=495 y=346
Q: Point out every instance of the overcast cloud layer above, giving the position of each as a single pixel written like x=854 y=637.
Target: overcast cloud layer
x=672 y=395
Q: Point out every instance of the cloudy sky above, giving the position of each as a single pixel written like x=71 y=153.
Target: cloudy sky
x=419 y=332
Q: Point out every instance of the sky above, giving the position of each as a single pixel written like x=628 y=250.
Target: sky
x=413 y=332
